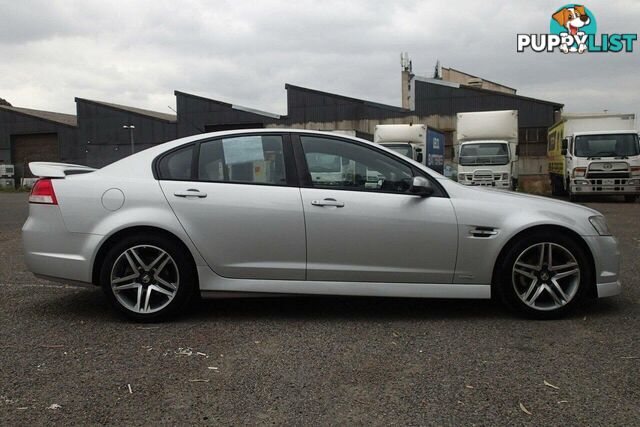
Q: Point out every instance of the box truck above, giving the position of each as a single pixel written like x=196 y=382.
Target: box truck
x=486 y=148
x=595 y=154
x=416 y=141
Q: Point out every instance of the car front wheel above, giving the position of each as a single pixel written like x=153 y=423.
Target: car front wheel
x=148 y=278
x=544 y=276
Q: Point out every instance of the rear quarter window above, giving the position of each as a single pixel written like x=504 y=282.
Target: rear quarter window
x=177 y=165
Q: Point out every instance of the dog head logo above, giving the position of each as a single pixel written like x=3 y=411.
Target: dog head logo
x=572 y=18
x=575 y=21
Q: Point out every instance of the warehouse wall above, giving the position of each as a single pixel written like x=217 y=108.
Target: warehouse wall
x=102 y=138
x=14 y=123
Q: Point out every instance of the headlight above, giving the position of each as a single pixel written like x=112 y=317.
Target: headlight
x=600 y=224
x=505 y=176
x=461 y=177
x=579 y=172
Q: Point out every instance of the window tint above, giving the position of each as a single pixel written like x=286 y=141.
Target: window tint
x=177 y=165
x=344 y=165
x=252 y=159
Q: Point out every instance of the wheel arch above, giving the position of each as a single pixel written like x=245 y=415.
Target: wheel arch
x=592 y=291
x=139 y=229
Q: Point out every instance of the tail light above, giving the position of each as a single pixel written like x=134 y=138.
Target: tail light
x=43 y=193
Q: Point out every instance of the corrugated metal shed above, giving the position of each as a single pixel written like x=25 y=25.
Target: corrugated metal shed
x=310 y=105
x=447 y=99
x=197 y=114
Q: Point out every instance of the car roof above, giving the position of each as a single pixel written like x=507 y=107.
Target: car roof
x=130 y=166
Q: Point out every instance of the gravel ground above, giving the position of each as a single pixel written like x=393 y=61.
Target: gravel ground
x=66 y=357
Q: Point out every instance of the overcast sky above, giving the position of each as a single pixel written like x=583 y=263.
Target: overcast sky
x=138 y=52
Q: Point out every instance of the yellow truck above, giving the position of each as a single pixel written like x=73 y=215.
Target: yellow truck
x=593 y=154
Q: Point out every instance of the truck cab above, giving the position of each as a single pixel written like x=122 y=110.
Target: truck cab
x=415 y=141
x=486 y=163
x=486 y=149
x=412 y=151
x=605 y=163
x=595 y=154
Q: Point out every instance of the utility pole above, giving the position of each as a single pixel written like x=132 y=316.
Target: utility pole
x=131 y=129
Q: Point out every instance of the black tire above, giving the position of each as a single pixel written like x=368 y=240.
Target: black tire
x=506 y=290
x=187 y=275
x=630 y=198
x=556 y=189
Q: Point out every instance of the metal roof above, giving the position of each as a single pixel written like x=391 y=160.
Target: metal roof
x=288 y=86
x=228 y=105
x=485 y=91
x=61 y=118
x=148 y=113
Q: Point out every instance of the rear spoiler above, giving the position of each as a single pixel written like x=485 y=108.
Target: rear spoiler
x=57 y=170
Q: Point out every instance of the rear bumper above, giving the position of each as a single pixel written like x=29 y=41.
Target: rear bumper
x=50 y=250
x=607 y=264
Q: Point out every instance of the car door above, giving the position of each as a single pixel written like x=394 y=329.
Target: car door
x=361 y=222
x=238 y=200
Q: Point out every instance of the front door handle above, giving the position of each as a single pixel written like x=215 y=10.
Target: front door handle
x=328 y=202
x=192 y=192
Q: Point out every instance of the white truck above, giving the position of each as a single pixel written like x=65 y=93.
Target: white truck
x=408 y=140
x=416 y=141
x=486 y=148
x=595 y=153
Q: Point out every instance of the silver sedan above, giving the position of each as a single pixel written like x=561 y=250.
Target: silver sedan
x=300 y=212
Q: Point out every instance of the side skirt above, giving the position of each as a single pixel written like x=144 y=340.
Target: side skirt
x=212 y=284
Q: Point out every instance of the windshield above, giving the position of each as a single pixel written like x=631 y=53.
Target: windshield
x=620 y=145
x=405 y=150
x=484 y=154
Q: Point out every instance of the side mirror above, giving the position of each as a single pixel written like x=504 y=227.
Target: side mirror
x=421 y=186
x=419 y=155
x=563 y=151
x=565 y=145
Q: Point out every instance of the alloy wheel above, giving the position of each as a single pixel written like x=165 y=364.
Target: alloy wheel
x=144 y=279
x=546 y=276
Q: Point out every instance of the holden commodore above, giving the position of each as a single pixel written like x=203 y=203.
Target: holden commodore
x=301 y=212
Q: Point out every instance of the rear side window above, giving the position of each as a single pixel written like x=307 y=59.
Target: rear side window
x=176 y=165
x=257 y=159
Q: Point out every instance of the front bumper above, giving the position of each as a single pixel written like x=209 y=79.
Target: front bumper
x=52 y=251
x=610 y=186
x=607 y=264
x=487 y=183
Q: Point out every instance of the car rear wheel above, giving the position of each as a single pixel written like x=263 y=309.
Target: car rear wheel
x=148 y=278
x=544 y=276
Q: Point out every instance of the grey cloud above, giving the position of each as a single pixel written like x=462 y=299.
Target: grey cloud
x=138 y=52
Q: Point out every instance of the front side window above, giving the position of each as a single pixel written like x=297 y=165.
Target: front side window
x=620 y=145
x=486 y=153
x=257 y=159
x=343 y=165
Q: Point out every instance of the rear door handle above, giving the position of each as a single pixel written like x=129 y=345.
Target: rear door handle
x=328 y=202
x=192 y=192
